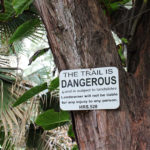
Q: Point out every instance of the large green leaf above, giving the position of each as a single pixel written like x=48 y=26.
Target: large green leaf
x=21 y=5
x=30 y=93
x=51 y=119
x=54 y=84
x=25 y=30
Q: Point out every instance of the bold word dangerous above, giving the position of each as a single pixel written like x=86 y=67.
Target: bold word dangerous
x=88 y=82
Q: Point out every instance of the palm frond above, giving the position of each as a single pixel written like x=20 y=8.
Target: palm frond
x=9 y=23
x=24 y=30
x=20 y=6
x=13 y=120
x=8 y=11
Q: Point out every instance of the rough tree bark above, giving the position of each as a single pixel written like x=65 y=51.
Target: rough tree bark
x=80 y=37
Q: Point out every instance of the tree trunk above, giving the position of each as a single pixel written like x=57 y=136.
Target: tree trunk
x=139 y=65
x=80 y=37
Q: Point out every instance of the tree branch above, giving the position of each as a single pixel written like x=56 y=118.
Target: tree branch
x=121 y=21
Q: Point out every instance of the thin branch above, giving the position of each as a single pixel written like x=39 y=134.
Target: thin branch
x=147 y=10
x=117 y=21
x=137 y=20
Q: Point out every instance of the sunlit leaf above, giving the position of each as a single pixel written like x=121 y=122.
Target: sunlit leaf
x=115 y=5
x=120 y=51
x=124 y=40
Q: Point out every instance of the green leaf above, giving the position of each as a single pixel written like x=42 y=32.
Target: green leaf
x=24 y=30
x=75 y=147
x=7 y=78
x=71 y=133
x=8 y=11
x=51 y=119
x=54 y=84
x=124 y=40
x=112 y=5
x=55 y=125
x=120 y=51
x=30 y=93
x=115 y=5
x=21 y=5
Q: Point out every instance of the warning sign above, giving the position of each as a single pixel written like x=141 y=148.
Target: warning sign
x=89 y=89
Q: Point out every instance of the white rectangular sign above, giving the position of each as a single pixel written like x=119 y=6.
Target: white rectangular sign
x=89 y=89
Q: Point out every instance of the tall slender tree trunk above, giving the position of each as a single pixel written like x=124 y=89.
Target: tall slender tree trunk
x=80 y=37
